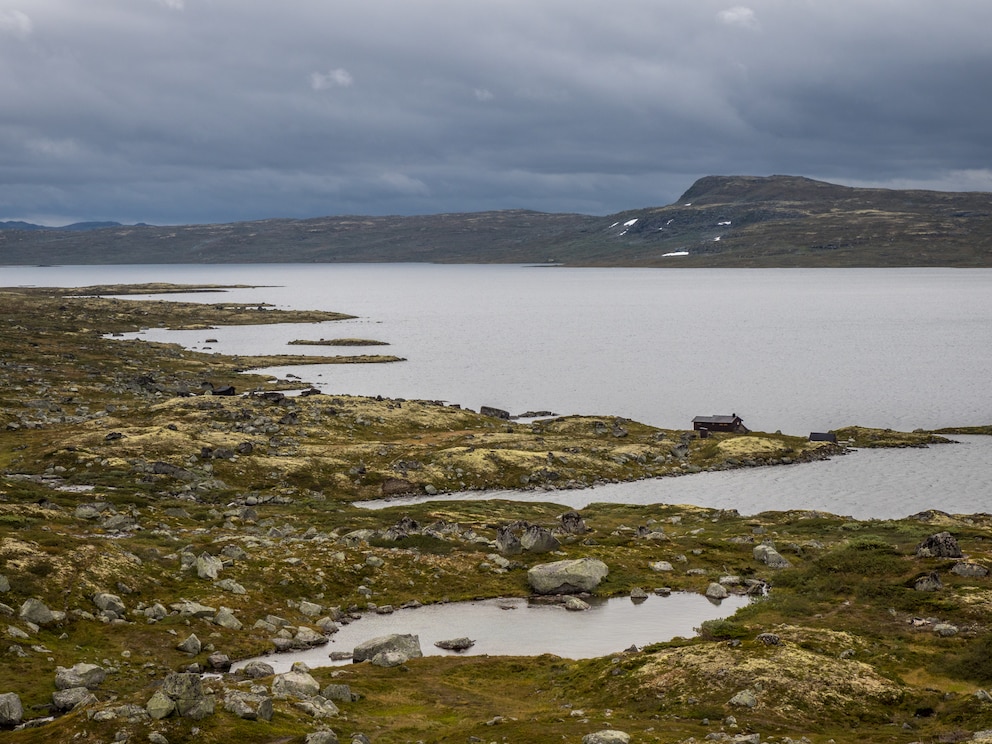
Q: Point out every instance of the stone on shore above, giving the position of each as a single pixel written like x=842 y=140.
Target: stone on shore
x=405 y=645
x=567 y=577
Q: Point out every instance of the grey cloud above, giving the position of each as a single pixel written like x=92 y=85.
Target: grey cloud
x=213 y=110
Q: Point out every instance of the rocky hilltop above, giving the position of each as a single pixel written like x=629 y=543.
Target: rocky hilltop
x=720 y=221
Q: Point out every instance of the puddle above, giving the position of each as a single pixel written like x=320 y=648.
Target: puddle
x=518 y=627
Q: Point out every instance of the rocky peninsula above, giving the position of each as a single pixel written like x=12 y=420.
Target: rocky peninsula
x=164 y=513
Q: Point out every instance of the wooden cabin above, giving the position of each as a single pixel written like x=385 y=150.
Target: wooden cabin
x=732 y=423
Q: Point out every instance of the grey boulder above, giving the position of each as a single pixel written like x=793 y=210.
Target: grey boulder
x=567 y=577
x=404 y=645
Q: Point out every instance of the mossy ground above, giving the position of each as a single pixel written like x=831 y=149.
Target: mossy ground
x=88 y=419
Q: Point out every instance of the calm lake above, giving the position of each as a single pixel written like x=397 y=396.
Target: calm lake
x=787 y=349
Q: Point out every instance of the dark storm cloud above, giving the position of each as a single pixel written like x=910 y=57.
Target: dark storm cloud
x=210 y=110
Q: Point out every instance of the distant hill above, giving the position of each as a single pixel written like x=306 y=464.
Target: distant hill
x=731 y=221
x=75 y=226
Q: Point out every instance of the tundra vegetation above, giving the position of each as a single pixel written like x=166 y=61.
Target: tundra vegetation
x=154 y=522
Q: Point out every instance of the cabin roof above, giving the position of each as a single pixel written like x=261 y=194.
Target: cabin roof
x=731 y=419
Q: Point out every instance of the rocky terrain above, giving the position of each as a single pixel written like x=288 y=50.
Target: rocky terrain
x=164 y=513
x=727 y=221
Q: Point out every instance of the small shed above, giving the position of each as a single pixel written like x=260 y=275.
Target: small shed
x=823 y=436
x=732 y=423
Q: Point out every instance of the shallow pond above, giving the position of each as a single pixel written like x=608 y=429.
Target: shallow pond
x=518 y=627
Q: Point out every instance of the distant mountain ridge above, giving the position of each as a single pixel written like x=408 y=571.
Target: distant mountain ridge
x=75 y=226
x=728 y=221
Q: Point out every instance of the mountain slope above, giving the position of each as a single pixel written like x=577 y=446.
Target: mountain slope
x=719 y=221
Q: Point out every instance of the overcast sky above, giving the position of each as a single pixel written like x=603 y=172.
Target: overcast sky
x=183 y=111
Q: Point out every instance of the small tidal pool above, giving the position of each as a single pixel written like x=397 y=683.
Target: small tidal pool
x=518 y=627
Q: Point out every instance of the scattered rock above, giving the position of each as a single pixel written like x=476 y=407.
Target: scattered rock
x=574 y=604
x=191 y=645
x=182 y=693
x=941 y=545
x=322 y=737
x=507 y=542
x=743 y=699
x=660 y=566
x=340 y=693
x=573 y=524
x=456 y=644
x=495 y=412
x=107 y=602
x=607 y=736
x=929 y=583
x=37 y=612
x=717 y=591
x=72 y=697
x=769 y=556
x=225 y=618
x=407 y=646
x=208 y=566
x=11 y=710
x=89 y=676
x=295 y=684
x=248 y=705
x=538 y=539
x=945 y=630
x=257 y=669
x=567 y=577
x=970 y=570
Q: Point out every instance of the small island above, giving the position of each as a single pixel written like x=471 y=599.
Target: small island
x=338 y=342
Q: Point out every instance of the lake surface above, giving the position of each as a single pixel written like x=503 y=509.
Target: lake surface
x=867 y=484
x=787 y=349
x=516 y=627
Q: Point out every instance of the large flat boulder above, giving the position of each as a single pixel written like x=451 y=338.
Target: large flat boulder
x=567 y=577
x=403 y=645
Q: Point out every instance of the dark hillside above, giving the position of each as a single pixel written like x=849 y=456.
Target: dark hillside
x=731 y=221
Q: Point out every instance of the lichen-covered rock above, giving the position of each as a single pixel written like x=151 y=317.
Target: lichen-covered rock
x=607 y=736
x=225 y=618
x=190 y=646
x=929 y=583
x=186 y=691
x=536 y=539
x=248 y=705
x=68 y=699
x=295 y=684
x=337 y=692
x=769 y=556
x=717 y=591
x=37 y=612
x=507 y=542
x=941 y=545
x=109 y=603
x=89 y=676
x=574 y=604
x=567 y=577
x=160 y=705
x=573 y=524
x=321 y=737
x=208 y=566
x=743 y=699
x=257 y=669
x=970 y=570
x=11 y=710
x=403 y=644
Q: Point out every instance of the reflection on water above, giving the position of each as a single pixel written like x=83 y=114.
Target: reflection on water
x=516 y=627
